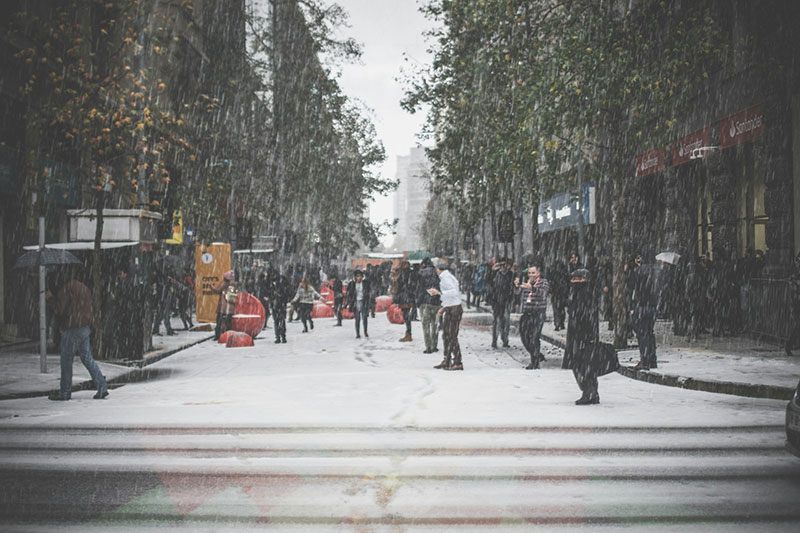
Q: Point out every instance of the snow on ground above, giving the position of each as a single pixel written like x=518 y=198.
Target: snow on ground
x=327 y=378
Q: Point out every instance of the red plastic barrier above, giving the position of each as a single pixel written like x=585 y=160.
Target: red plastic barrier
x=327 y=294
x=225 y=336
x=250 y=316
x=347 y=314
x=322 y=310
x=395 y=314
x=382 y=303
x=239 y=340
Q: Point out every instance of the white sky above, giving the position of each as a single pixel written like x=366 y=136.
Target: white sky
x=386 y=29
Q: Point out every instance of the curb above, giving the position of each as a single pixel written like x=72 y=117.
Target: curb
x=137 y=372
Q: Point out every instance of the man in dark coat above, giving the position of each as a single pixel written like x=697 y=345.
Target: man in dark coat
x=429 y=303
x=501 y=291
x=403 y=295
x=643 y=307
x=358 y=291
x=338 y=296
x=281 y=291
x=559 y=292
x=582 y=337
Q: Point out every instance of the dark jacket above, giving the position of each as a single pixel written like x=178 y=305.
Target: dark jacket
x=281 y=292
x=403 y=294
x=428 y=279
x=501 y=288
x=74 y=305
x=351 y=294
x=582 y=331
x=337 y=288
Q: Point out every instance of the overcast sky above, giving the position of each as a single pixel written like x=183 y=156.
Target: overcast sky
x=386 y=29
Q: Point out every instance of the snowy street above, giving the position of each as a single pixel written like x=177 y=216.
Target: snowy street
x=329 y=432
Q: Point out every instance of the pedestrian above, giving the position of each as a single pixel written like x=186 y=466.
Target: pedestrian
x=451 y=312
x=338 y=296
x=559 y=294
x=373 y=278
x=164 y=293
x=794 y=316
x=281 y=290
x=182 y=297
x=296 y=276
x=479 y=285
x=358 y=291
x=225 y=307
x=533 y=302
x=582 y=336
x=263 y=290
x=304 y=302
x=75 y=316
x=643 y=307
x=429 y=304
x=501 y=291
x=403 y=295
x=466 y=281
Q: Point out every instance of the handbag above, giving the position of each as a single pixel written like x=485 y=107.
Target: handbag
x=604 y=359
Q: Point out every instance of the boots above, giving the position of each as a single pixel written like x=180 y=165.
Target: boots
x=407 y=338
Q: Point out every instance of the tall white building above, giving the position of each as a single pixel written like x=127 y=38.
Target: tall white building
x=411 y=197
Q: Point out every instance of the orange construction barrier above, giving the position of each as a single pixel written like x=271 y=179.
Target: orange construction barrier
x=395 y=314
x=239 y=340
x=250 y=316
x=382 y=303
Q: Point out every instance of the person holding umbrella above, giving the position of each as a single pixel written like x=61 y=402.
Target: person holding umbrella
x=75 y=314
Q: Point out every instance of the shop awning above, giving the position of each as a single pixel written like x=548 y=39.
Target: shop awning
x=83 y=245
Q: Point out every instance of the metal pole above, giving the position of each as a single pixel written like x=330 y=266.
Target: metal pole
x=42 y=303
x=580 y=206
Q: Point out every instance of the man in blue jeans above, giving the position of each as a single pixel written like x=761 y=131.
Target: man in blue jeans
x=74 y=310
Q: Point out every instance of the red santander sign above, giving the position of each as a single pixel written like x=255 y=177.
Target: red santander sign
x=649 y=162
x=682 y=151
x=741 y=127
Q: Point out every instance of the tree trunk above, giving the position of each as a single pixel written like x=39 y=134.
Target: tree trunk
x=97 y=278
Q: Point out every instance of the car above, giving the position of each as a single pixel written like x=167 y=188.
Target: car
x=793 y=423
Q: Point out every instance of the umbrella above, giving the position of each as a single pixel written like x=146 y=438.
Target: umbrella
x=45 y=257
x=669 y=257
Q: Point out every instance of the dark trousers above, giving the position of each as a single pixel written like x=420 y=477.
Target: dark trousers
x=501 y=323
x=304 y=310
x=644 y=321
x=223 y=324
x=559 y=311
x=265 y=303
x=279 y=321
x=451 y=320
x=337 y=309
x=587 y=382
x=361 y=313
x=530 y=330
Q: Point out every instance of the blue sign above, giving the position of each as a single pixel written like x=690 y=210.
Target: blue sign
x=563 y=210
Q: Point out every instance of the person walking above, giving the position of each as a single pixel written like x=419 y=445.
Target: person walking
x=559 y=294
x=358 y=291
x=643 y=306
x=478 y=285
x=338 y=296
x=165 y=293
x=304 y=302
x=794 y=298
x=451 y=312
x=403 y=296
x=533 y=300
x=280 y=292
x=501 y=289
x=75 y=316
x=263 y=294
x=429 y=304
x=225 y=308
x=582 y=336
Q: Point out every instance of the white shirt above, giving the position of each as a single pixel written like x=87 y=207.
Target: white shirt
x=448 y=286
x=359 y=292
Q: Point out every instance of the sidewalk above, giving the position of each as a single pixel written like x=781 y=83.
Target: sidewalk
x=21 y=378
x=730 y=365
